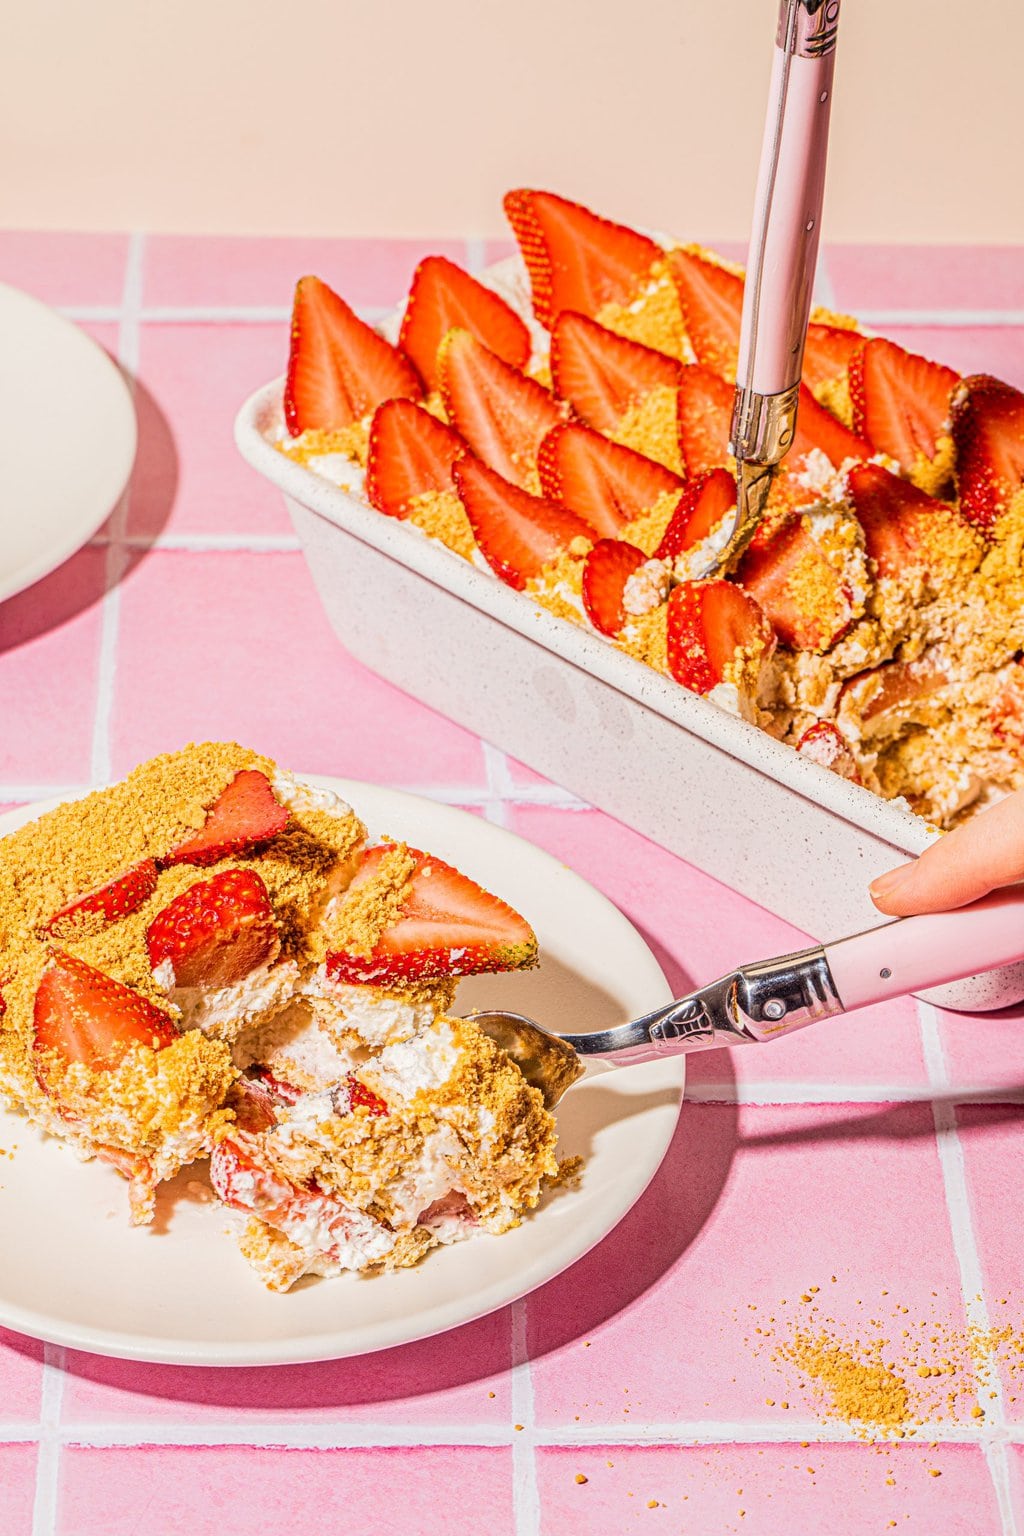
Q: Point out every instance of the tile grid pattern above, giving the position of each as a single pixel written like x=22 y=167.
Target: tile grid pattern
x=505 y=795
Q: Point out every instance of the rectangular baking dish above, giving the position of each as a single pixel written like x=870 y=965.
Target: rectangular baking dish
x=718 y=792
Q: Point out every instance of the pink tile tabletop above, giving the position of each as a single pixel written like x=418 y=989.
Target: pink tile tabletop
x=850 y=1193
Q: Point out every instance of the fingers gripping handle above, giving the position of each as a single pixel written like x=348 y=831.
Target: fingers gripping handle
x=917 y=953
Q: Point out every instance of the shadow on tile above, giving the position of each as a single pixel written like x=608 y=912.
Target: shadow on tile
x=76 y=585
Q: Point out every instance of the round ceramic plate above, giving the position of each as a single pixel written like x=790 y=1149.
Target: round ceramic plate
x=67 y=439
x=75 y=1273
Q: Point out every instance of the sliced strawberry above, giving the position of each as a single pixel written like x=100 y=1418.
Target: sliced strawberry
x=244 y=1179
x=704 y=407
x=107 y=903
x=362 y=1097
x=518 y=534
x=825 y=744
x=254 y=1100
x=276 y=1089
x=605 y=483
x=804 y=596
x=702 y=506
x=816 y=427
x=902 y=525
x=900 y=400
x=245 y=813
x=988 y=430
x=576 y=259
x=889 y=693
x=601 y=374
x=447 y=925
x=502 y=414
x=606 y=571
x=86 y=1016
x=827 y=353
x=339 y=369
x=442 y=298
x=711 y=626
x=711 y=299
x=410 y=452
x=216 y=931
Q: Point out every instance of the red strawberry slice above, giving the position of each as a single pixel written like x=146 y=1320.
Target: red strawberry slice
x=827 y=353
x=443 y=297
x=902 y=525
x=601 y=374
x=502 y=414
x=410 y=452
x=711 y=299
x=245 y=1180
x=605 y=483
x=816 y=427
x=900 y=400
x=891 y=691
x=702 y=506
x=245 y=813
x=824 y=743
x=254 y=1100
x=216 y=931
x=86 y=1016
x=606 y=571
x=804 y=596
x=704 y=408
x=362 y=1097
x=448 y=925
x=107 y=903
x=576 y=259
x=988 y=431
x=339 y=369
x=710 y=624
x=518 y=534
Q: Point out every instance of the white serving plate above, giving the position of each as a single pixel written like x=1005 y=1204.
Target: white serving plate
x=718 y=792
x=67 y=439
x=74 y=1272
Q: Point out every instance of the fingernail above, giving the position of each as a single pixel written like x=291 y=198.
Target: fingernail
x=886 y=884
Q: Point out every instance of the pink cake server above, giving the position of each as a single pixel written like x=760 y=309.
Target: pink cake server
x=770 y=998
x=783 y=252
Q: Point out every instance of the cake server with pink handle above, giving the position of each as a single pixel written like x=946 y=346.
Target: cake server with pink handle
x=781 y=262
x=761 y=1002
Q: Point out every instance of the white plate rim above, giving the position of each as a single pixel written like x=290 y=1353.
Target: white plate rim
x=376 y=803
x=96 y=406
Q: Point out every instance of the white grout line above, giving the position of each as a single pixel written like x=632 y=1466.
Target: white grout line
x=942 y=318
x=116 y=560
x=44 y=1511
x=954 y=1177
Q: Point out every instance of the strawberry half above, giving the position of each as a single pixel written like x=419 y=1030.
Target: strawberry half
x=988 y=431
x=448 y=925
x=246 y=812
x=712 y=625
x=804 y=596
x=824 y=743
x=702 y=506
x=107 y=903
x=711 y=299
x=86 y=1016
x=601 y=374
x=443 y=297
x=606 y=571
x=704 y=409
x=362 y=1097
x=410 y=452
x=903 y=526
x=518 y=534
x=216 y=931
x=900 y=400
x=827 y=353
x=502 y=414
x=576 y=259
x=605 y=483
x=339 y=369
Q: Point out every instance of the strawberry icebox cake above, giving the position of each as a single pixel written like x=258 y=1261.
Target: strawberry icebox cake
x=563 y=423
x=213 y=960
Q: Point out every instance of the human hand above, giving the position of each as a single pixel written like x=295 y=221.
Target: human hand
x=975 y=858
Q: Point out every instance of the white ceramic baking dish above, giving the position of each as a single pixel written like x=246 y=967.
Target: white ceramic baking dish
x=709 y=787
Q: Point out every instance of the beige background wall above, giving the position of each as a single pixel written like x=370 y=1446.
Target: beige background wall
x=412 y=116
